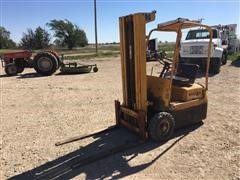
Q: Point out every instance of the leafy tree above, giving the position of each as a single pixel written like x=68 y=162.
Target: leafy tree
x=68 y=34
x=42 y=38
x=5 y=41
x=27 y=40
x=38 y=39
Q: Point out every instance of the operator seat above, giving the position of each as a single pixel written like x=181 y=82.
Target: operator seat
x=186 y=74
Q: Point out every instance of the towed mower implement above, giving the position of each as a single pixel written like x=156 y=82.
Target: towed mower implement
x=75 y=68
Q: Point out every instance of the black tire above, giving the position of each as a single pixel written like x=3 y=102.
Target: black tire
x=161 y=126
x=215 y=66
x=45 y=63
x=95 y=69
x=20 y=69
x=11 y=69
x=224 y=58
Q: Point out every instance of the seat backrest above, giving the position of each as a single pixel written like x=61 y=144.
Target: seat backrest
x=187 y=70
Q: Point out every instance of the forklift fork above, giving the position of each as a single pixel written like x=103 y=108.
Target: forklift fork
x=77 y=138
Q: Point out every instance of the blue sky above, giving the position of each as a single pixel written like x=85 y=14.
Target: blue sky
x=18 y=15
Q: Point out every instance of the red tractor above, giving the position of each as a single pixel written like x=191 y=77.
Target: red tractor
x=44 y=63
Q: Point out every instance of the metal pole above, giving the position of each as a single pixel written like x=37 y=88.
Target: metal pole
x=95 y=23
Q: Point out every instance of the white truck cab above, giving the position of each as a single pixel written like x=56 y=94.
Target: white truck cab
x=194 y=49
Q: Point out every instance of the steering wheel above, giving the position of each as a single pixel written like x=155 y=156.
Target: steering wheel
x=165 y=62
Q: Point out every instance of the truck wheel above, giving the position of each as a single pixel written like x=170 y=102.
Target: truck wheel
x=215 y=66
x=20 y=69
x=11 y=69
x=161 y=126
x=224 y=59
x=45 y=63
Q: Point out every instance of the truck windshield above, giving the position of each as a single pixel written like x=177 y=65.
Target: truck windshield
x=200 y=34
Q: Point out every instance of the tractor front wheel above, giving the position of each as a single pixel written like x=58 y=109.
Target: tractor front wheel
x=161 y=126
x=11 y=69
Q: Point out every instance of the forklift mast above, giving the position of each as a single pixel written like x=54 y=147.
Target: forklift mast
x=132 y=113
x=133 y=59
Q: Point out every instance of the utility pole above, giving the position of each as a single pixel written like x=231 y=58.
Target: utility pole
x=95 y=23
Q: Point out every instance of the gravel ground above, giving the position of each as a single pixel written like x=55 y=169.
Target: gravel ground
x=36 y=112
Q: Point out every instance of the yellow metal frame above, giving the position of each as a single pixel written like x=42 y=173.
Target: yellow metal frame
x=177 y=27
x=140 y=20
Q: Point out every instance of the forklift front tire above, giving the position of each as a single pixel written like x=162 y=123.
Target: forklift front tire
x=161 y=126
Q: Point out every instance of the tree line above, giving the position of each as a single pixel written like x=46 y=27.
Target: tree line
x=65 y=32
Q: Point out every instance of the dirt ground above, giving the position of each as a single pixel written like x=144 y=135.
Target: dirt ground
x=36 y=112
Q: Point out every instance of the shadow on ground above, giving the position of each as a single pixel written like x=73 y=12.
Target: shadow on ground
x=30 y=75
x=83 y=160
x=3 y=76
x=67 y=74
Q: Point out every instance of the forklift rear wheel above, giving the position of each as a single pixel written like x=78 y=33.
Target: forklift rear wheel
x=95 y=69
x=20 y=69
x=161 y=126
x=11 y=69
x=45 y=63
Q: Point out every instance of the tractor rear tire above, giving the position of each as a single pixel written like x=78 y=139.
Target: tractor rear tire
x=161 y=126
x=45 y=63
x=11 y=69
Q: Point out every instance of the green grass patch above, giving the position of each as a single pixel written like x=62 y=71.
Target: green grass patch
x=166 y=46
x=88 y=49
x=85 y=50
x=170 y=54
x=2 y=51
x=234 y=57
x=93 y=56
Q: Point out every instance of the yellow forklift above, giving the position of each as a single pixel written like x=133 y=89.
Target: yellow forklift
x=155 y=106
x=152 y=106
